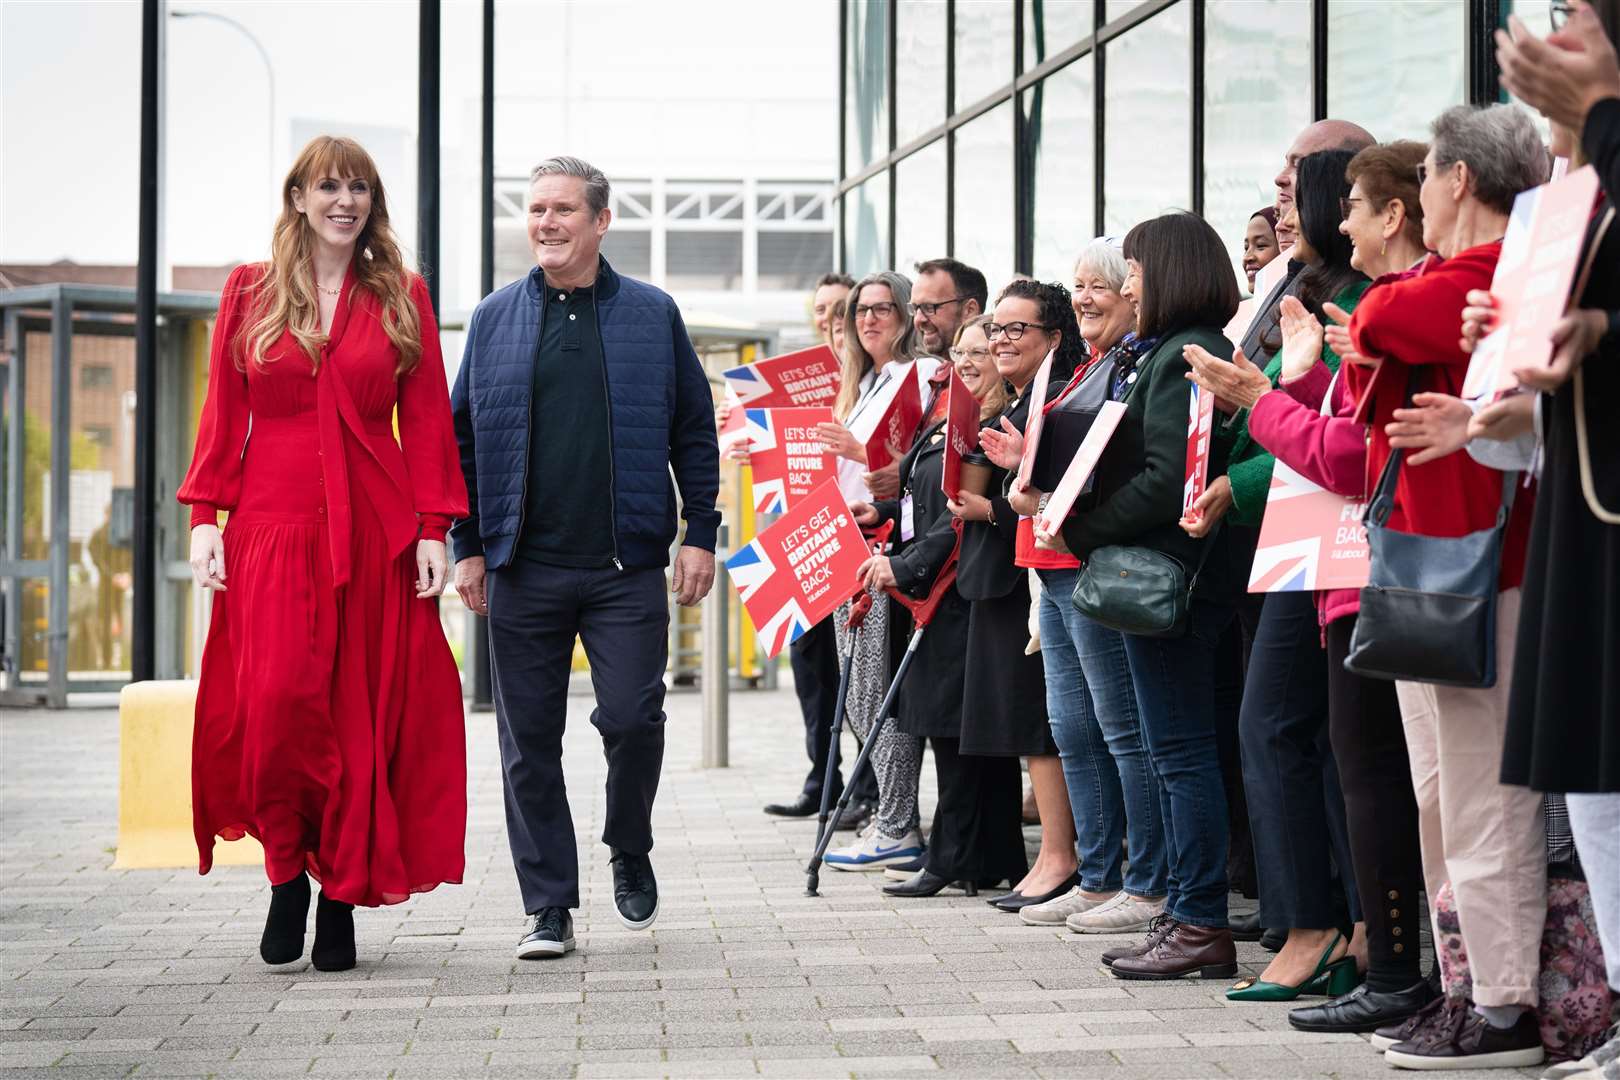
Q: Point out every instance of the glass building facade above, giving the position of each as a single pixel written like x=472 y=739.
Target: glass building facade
x=1009 y=132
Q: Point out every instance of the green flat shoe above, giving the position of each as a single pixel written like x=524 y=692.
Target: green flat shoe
x=1331 y=979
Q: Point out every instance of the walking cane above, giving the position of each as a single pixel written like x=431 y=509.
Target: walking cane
x=922 y=613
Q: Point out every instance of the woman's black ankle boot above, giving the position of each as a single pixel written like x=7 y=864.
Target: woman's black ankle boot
x=283 y=940
x=334 y=935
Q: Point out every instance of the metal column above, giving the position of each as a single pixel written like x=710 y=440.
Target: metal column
x=143 y=619
x=716 y=676
x=427 y=147
x=483 y=690
x=56 y=629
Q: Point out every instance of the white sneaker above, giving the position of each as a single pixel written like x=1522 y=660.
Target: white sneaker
x=873 y=850
x=1124 y=914
x=1056 y=912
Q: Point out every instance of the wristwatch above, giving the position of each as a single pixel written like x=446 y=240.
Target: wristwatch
x=1040 y=507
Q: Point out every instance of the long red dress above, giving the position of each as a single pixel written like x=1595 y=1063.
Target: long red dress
x=329 y=721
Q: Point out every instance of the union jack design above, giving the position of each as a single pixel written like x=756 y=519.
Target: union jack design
x=785 y=456
x=771 y=597
x=1310 y=538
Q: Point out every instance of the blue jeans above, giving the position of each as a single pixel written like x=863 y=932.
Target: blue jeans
x=1175 y=690
x=1091 y=706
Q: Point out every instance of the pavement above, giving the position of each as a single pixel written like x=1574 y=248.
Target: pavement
x=155 y=973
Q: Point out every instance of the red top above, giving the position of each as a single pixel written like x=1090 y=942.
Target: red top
x=1414 y=325
x=415 y=482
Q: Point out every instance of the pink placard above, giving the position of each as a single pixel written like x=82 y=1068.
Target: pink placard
x=1037 y=419
x=1061 y=501
x=1531 y=284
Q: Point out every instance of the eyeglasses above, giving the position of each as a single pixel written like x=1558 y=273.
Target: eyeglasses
x=928 y=311
x=1558 y=14
x=1013 y=330
x=969 y=354
x=1345 y=206
x=882 y=309
x=1422 y=173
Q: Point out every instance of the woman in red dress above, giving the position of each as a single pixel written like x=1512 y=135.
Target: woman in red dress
x=329 y=721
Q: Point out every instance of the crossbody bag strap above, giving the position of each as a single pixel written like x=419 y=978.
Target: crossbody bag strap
x=1583 y=445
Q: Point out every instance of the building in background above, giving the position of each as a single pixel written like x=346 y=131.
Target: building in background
x=1012 y=131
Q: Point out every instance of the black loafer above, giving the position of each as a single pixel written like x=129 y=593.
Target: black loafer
x=1273 y=939
x=635 y=890
x=1016 y=901
x=1246 y=927
x=803 y=806
x=1363 y=1009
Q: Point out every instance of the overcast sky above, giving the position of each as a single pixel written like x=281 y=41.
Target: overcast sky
x=711 y=89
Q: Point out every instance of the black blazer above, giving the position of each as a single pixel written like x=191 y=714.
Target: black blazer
x=987 y=571
x=917 y=562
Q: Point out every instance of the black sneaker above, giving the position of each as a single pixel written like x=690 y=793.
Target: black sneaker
x=551 y=933
x=635 y=890
x=1385 y=1037
x=855 y=816
x=1466 y=1040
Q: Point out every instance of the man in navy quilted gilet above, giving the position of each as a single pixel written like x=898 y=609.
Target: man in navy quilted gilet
x=578 y=400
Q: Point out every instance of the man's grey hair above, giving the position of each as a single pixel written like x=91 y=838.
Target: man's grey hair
x=1500 y=146
x=597 y=188
x=1106 y=258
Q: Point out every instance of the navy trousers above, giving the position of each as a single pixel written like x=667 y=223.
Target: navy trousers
x=622 y=619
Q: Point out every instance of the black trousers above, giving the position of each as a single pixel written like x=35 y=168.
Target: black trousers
x=622 y=619
x=1369 y=744
x=978 y=832
x=814 y=658
x=1296 y=808
x=1232 y=663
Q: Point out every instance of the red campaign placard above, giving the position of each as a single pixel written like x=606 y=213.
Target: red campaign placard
x=797 y=572
x=1531 y=284
x=891 y=436
x=1037 y=419
x=961 y=433
x=1061 y=501
x=1310 y=538
x=786 y=455
x=792 y=380
x=1200 y=422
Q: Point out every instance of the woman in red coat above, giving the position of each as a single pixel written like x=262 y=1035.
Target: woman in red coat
x=329 y=721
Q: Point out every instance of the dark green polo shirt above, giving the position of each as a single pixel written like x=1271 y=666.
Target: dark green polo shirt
x=568 y=505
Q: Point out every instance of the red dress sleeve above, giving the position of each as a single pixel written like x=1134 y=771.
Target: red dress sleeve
x=214 y=481
x=438 y=491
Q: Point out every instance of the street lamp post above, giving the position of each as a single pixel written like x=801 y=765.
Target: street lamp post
x=270 y=81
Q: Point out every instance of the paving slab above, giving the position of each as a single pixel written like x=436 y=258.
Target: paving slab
x=155 y=973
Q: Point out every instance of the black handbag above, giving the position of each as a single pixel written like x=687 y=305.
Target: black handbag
x=1137 y=590
x=1428 y=611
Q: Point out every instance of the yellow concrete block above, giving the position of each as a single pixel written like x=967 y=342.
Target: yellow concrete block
x=154 y=782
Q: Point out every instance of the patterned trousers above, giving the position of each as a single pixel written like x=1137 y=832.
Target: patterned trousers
x=897 y=758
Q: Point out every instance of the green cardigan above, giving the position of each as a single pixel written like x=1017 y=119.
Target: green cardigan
x=1250 y=467
x=1143 y=471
